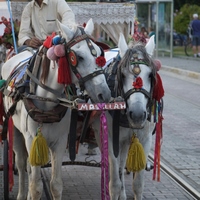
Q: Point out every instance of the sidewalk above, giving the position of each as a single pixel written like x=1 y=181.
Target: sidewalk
x=186 y=66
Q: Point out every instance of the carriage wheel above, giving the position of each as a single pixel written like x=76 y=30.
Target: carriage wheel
x=5 y=169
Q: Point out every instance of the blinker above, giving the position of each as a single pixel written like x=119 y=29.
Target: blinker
x=73 y=58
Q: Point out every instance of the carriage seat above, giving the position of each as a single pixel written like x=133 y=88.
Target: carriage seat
x=103 y=45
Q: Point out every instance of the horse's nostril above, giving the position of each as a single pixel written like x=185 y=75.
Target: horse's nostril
x=100 y=97
x=144 y=116
x=137 y=116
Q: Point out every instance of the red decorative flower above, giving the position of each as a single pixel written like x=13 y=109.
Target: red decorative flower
x=138 y=83
x=100 y=61
x=138 y=36
x=7 y=38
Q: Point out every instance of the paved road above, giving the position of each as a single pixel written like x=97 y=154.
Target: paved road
x=181 y=141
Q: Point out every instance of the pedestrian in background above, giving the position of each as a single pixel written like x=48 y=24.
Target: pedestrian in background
x=39 y=20
x=195 y=26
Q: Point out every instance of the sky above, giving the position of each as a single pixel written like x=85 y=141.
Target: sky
x=3 y=12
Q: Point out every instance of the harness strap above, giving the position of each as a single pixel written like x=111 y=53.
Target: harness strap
x=78 y=39
x=37 y=65
x=133 y=90
x=85 y=126
x=42 y=85
x=72 y=134
x=82 y=80
x=43 y=116
x=143 y=91
x=32 y=96
x=115 y=137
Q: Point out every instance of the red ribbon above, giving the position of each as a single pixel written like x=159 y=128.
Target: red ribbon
x=104 y=154
x=158 y=142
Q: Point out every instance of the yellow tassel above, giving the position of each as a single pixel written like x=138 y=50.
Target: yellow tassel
x=39 y=154
x=136 y=160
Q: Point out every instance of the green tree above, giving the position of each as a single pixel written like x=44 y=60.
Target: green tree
x=184 y=16
x=180 y=3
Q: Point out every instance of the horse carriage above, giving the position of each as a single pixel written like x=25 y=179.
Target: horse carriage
x=43 y=99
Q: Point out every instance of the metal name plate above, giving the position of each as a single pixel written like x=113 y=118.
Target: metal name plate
x=107 y=106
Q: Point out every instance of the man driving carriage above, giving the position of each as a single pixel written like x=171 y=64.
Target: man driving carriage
x=39 y=20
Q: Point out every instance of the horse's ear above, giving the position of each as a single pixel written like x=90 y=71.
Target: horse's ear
x=89 y=28
x=122 y=45
x=67 y=33
x=150 y=46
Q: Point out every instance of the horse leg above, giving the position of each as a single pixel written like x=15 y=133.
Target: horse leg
x=35 y=184
x=138 y=181
x=138 y=185
x=34 y=175
x=123 y=155
x=56 y=184
x=20 y=160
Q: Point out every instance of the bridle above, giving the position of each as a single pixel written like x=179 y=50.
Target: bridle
x=126 y=95
x=73 y=58
x=142 y=90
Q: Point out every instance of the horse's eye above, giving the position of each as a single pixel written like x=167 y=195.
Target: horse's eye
x=150 y=75
x=80 y=58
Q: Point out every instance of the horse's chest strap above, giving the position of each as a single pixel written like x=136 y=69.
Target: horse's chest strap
x=41 y=116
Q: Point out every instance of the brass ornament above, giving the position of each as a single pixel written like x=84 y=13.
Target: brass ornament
x=136 y=70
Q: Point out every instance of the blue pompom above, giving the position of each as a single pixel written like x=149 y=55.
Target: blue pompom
x=56 y=40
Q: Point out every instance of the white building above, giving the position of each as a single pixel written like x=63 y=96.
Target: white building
x=3 y=13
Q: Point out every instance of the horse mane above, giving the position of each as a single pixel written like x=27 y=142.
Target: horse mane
x=135 y=47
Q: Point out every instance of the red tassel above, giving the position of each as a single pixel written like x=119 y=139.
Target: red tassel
x=158 y=91
x=48 y=42
x=64 y=74
x=158 y=142
x=10 y=153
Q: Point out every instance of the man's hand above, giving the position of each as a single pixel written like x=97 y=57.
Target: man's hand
x=33 y=42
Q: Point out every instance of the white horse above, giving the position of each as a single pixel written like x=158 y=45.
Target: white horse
x=84 y=71
x=135 y=62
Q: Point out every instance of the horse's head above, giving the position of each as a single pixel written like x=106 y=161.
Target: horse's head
x=136 y=76
x=82 y=54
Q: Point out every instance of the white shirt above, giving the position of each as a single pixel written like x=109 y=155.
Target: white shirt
x=40 y=22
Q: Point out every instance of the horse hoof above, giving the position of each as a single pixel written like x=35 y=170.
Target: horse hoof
x=149 y=166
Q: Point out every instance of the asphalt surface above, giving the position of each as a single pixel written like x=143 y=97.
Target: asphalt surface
x=83 y=182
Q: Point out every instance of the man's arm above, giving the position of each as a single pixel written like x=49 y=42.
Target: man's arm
x=66 y=14
x=25 y=32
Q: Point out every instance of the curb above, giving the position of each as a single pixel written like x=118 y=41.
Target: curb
x=190 y=74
